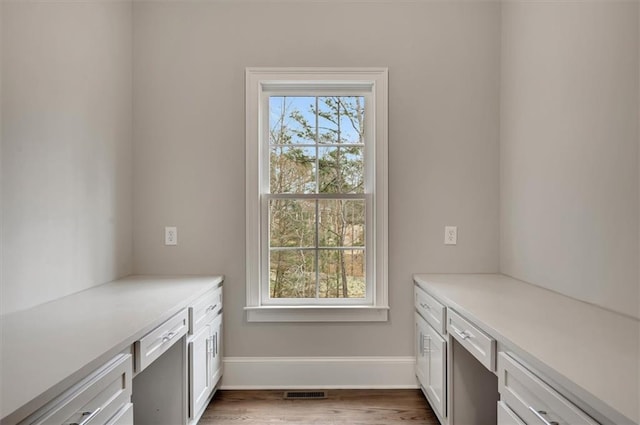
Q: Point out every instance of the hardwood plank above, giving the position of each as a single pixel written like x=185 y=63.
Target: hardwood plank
x=353 y=407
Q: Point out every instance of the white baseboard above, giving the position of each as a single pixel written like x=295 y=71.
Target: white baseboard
x=253 y=373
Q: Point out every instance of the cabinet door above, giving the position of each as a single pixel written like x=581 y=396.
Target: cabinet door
x=199 y=370
x=436 y=370
x=215 y=372
x=421 y=350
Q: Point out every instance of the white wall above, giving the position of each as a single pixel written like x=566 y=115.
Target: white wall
x=1 y=178
x=66 y=148
x=189 y=62
x=569 y=149
x=567 y=74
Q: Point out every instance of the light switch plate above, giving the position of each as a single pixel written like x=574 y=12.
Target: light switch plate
x=171 y=235
x=450 y=235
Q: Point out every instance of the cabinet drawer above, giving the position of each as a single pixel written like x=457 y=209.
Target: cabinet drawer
x=532 y=399
x=478 y=343
x=123 y=417
x=152 y=345
x=203 y=310
x=431 y=310
x=506 y=415
x=97 y=399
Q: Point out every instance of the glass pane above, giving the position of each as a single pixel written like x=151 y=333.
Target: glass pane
x=292 y=223
x=341 y=223
x=327 y=120
x=342 y=274
x=292 y=274
x=341 y=119
x=341 y=170
x=292 y=169
x=292 y=120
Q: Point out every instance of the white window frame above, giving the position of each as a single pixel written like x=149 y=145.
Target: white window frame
x=262 y=83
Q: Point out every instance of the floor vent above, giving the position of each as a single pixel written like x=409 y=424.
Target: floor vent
x=305 y=395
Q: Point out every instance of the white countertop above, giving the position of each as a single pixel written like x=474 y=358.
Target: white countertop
x=589 y=351
x=47 y=348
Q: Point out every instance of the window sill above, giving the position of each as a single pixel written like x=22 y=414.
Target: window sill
x=317 y=313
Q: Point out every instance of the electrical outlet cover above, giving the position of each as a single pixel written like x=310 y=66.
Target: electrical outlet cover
x=171 y=235
x=450 y=235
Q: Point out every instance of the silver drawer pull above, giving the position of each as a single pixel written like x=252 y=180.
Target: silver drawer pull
x=168 y=337
x=89 y=416
x=211 y=308
x=461 y=334
x=540 y=415
x=425 y=306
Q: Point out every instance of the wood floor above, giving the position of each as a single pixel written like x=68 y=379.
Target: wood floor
x=353 y=407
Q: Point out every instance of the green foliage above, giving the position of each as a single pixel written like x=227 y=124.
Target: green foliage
x=318 y=150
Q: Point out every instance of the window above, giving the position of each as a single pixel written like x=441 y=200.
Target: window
x=316 y=146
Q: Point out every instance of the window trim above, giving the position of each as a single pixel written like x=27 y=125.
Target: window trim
x=308 y=80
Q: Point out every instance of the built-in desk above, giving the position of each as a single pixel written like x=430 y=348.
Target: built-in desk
x=588 y=354
x=46 y=349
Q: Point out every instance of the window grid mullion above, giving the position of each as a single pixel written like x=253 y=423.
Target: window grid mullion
x=324 y=145
x=317 y=252
x=312 y=196
x=316 y=148
x=321 y=248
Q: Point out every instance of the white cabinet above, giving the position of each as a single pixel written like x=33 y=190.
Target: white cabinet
x=155 y=343
x=200 y=384
x=514 y=353
x=532 y=399
x=431 y=352
x=433 y=311
x=159 y=391
x=205 y=365
x=215 y=372
x=421 y=359
x=124 y=417
x=205 y=309
x=205 y=351
x=103 y=397
x=506 y=416
x=478 y=343
x=149 y=317
x=435 y=351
